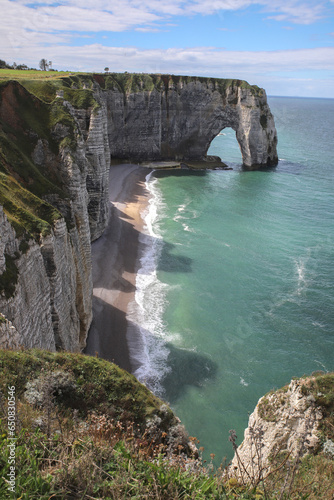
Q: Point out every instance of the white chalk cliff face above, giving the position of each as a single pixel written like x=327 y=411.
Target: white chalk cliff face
x=57 y=156
x=180 y=117
x=287 y=421
x=32 y=293
x=49 y=302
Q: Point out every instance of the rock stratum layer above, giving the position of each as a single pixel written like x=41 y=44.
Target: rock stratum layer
x=56 y=140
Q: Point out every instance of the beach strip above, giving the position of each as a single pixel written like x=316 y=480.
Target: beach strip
x=115 y=259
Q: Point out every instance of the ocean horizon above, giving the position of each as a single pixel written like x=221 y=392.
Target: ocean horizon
x=235 y=287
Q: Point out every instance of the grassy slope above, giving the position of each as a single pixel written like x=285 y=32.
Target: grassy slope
x=15 y=74
x=98 y=383
x=83 y=433
x=29 y=111
x=23 y=183
x=89 y=436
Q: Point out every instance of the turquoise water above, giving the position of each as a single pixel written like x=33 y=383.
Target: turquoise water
x=236 y=288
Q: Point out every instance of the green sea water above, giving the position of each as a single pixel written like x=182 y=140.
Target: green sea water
x=236 y=289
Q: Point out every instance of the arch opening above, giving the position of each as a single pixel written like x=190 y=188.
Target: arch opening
x=226 y=146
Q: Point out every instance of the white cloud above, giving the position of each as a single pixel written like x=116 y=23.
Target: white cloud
x=208 y=59
x=120 y=15
x=47 y=30
x=49 y=23
x=212 y=6
x=197 y=60
x=151 y=30
x=296 y=11
x=72 y=17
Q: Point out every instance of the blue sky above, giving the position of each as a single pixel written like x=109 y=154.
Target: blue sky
x=285 y=46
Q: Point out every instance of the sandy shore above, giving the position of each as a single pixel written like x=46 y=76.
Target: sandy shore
x=115 y=263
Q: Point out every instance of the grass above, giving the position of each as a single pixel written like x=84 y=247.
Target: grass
x=24 y=183
x=76 y=464
x=15 y=74
x=26 y=212
x=46 y=90
x=32 y=113
x=84 y=430
x=94 y=437
x=81 y=98
x=268 y=406
x=98 y=383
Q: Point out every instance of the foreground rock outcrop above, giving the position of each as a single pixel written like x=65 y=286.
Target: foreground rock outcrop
x=56 y=141
x=291 y=422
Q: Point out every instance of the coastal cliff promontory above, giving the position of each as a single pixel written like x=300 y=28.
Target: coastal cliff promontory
x=290 y=429
x=57 y=137
x=161 y=117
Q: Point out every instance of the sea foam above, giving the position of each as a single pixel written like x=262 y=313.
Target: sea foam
x=147 y=342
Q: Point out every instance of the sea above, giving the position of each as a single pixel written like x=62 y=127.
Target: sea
x=235 y=292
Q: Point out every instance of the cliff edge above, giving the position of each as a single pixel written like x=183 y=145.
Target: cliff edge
x=290 y=428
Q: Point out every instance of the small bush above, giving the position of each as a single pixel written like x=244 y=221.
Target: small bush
x=8 y=279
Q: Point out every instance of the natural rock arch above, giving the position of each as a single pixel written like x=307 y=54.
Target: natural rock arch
x=178 y=117
x=227 y=146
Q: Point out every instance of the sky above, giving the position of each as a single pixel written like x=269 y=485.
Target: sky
x=284 y=46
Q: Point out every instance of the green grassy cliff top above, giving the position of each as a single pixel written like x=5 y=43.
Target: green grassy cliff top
x=44 y=84
x=93 y=385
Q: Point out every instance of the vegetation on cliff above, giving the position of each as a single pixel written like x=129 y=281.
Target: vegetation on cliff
x=25 y=183
x=86 y=429
x=35 y=128
x=45 y=84
x=8 y=278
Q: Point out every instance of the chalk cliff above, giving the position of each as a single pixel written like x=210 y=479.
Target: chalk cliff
x=56 y=141
x=291 y=422
x=53 y=156
x=165 y=117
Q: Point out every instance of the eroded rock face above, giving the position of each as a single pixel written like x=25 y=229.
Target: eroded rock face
x=95 y=152
x=180 y=119
x=50 y=304
x=283 y=421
